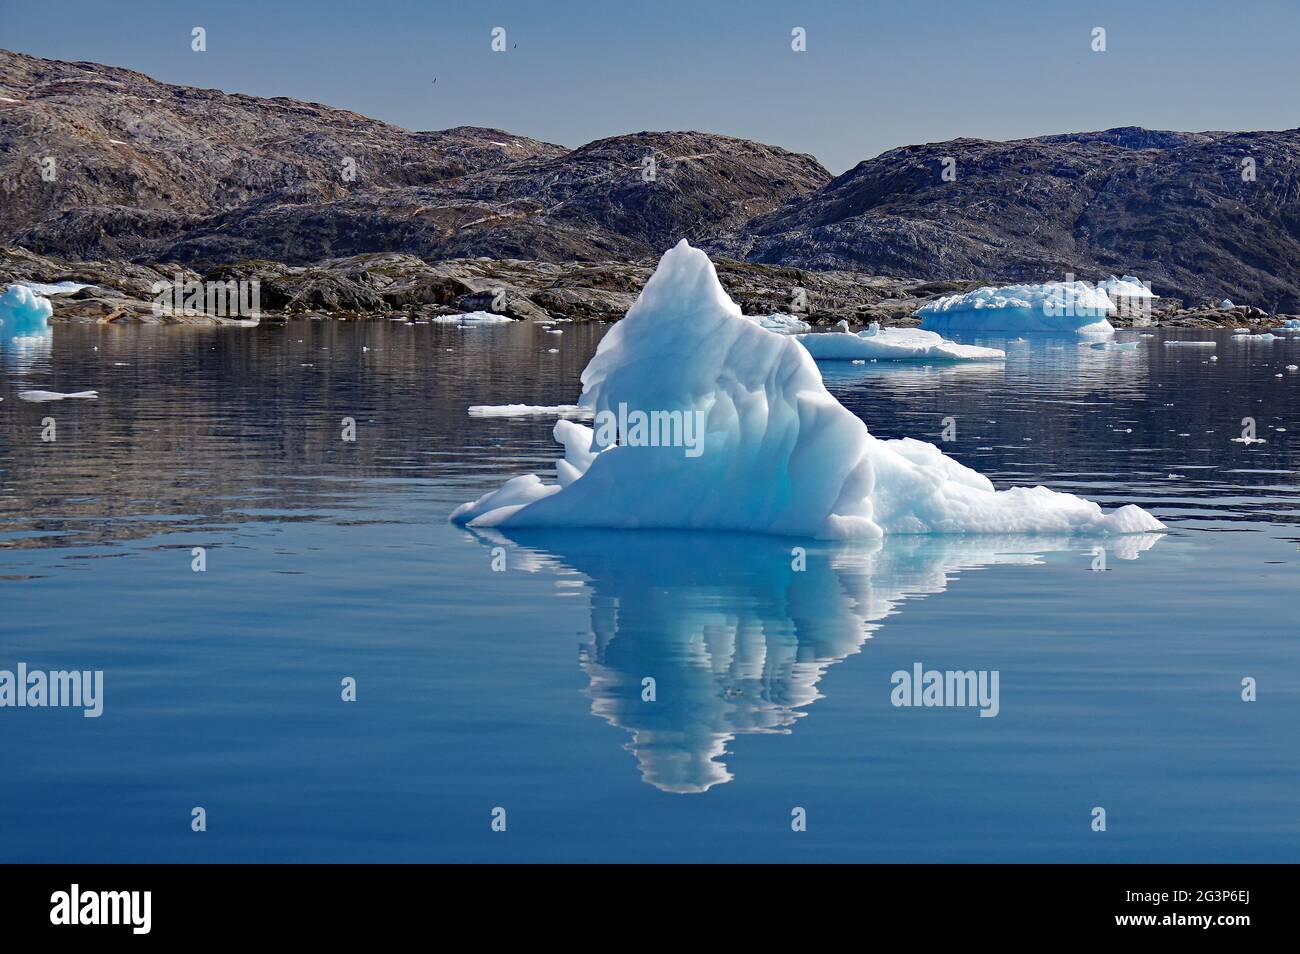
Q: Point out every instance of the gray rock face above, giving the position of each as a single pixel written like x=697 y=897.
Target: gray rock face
x=1177 y=209
x=142 y=160
x=148 y=171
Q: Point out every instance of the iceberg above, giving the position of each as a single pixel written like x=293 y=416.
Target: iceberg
x=783 y=324
x=1126 y=287
x=23 y=312
x=528 y=410
x=473 y=318
x=42 y=396
x=893 y=344
x=57 y=288
x=1059 y=307
x=778 y=454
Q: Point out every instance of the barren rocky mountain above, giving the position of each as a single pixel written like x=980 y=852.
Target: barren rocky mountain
x=1199 y=215
x=147 y=172
x=150 y=171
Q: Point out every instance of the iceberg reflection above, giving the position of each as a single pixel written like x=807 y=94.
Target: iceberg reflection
x=736 y=639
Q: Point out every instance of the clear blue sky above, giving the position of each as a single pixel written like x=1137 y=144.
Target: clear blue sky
x=875 y=75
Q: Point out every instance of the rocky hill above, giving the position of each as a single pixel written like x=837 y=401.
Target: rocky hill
x=1178 y=209
x=148 y=172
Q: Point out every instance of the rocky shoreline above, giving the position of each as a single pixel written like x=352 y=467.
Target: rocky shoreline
x=392 y=285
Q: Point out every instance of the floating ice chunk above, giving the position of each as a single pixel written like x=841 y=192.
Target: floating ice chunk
x=782 y=324
x=778 y=453
x=23 y=312
x=529 y=410
x=1126 y=287
x=56 y=395
x=1247 y=336
x=893 y=344
x=1060 y=307
x=473 y=318
x=1190 y=344
x=58 y=288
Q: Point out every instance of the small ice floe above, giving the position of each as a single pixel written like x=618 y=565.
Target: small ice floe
x=57 y=395
x=1059 y=307
x=473 y=318
x=1115 y=345
x=892 y=344
x=554 y=331
x=1292 y=367
x=781 y=324
x=552 y=350
x=57 y=288
x=530 y=410
x=1244 y=335
x=1249 y=440
x=1190 y=344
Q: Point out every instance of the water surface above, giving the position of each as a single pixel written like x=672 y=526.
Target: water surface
x=523 y=688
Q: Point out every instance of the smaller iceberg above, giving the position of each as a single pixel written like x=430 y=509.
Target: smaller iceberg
x=40 y=397
x=473 y=318
x=57 y=288
x=529 y=410
x=892 y=344
x=1126 y=287
x=781 y=324
x=1058 y=307
x=23 y=313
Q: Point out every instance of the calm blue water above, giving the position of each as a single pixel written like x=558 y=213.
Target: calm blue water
x=522 y=689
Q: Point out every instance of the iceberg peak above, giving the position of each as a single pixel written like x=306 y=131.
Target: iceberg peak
x=772 y=450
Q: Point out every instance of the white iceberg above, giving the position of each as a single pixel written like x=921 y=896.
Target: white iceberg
x=23 y=312
x=777 y=453
x=782 y=324
x=57 y=288
x=473 y=318
x=1126 y=287
x=528 y=410
x=1059 y=307
x=893 y=344
x=41 y=396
